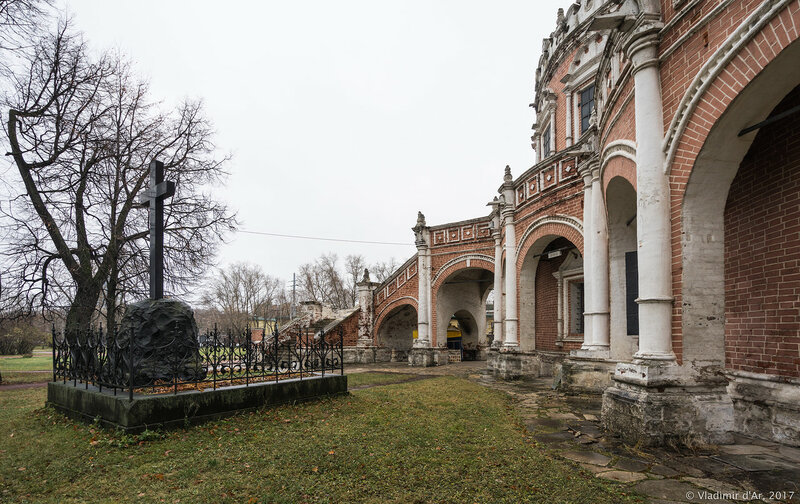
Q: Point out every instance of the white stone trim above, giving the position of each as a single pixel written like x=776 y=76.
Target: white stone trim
x=617 y=148
x=712 y=68
x=463 y=258
x=378 y=315
x=549 y=219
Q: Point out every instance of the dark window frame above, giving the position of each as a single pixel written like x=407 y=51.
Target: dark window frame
x=546 y=144
x=586 y=107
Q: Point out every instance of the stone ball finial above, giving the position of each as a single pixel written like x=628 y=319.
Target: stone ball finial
x=420 y=219
x=507 y=177
x=366 y=275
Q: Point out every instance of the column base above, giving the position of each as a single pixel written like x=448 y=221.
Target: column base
x=654 y=404
x=587 y=372
x=427 y=357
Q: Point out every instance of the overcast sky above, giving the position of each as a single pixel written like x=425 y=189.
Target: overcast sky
x=343 y=117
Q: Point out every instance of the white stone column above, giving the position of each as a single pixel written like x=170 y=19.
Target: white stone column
x=422 y=240
x=568 y=121
x=653 y=201
x=537 y=140
x=497 y=316
x=599 y=238
x=511 y=319
x=588 y=258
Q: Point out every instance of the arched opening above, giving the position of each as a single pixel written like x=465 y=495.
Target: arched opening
x=463 y=337
x=740 y=244
x=762 y=251
x=704 y=203
x=623 y=271
x=551 y=296
x=397 y=331
x=461 y=313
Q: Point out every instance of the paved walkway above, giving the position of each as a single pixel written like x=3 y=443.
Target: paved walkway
x=568 y=426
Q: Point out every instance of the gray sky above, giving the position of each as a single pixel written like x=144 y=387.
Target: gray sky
x=343 y=117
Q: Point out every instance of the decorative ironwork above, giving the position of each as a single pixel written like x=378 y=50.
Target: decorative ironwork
x=100 y=359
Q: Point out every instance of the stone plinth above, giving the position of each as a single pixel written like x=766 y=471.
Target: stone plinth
x=586 y=374
x=427 y=357
x=184 y=408
x=657 y=404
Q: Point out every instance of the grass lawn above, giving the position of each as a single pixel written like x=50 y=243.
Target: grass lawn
x=439 y=440
x=18 y=363
x=375 y=378
x=13 y=378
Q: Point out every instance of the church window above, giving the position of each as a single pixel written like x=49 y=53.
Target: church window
x=586 y=105
x=546 y=142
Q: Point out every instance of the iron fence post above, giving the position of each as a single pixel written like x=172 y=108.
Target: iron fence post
x=130 y=364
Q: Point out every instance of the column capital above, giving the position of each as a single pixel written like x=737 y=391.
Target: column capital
x=641 y=47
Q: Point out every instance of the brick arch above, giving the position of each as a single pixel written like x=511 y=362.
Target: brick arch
x=446 y=271
x=739 y=86
x=389 y=308
x=460 y=263
x=619 y=166
x=558 y=226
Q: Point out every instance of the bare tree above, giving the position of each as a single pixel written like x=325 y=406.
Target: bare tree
x=240 y=292
x=354 y=270
x=20 y=21
x=382 y=270
x=81 y=133
x=324 y=282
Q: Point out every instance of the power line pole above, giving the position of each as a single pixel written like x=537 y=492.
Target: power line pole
x=294 y=286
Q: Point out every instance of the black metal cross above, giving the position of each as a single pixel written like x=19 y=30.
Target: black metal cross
x=153 y=198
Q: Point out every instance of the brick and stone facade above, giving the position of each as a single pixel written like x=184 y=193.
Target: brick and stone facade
x=655 y=209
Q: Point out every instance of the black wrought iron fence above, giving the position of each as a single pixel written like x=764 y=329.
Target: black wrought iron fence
x=120 y=364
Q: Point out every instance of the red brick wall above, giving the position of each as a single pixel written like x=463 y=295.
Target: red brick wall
x=762 y=252
x=349 y=327
x=547 y=304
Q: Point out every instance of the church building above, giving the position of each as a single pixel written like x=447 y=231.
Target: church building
x=652 y=252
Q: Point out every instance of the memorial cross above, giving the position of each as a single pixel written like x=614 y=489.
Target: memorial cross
x=153 y=198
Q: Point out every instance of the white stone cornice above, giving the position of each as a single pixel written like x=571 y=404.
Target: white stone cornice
x=724 y=54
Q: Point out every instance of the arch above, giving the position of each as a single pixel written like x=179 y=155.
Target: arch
x=405 y=300
x=622 y=166
x=464 y=289
x=705 y=191
x=557 y=225
x=448 y=268
x=722 y=77
x=528 y=289
x=395 y=331
x=623 y=318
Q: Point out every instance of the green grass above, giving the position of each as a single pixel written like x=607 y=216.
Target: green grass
x=443 y=440
x=13 y=378
x=18 y=363
x=374 y=378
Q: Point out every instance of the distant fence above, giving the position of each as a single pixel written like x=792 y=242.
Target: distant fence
x=121 y=364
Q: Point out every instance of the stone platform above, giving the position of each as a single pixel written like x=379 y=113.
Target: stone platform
x=190 y=407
